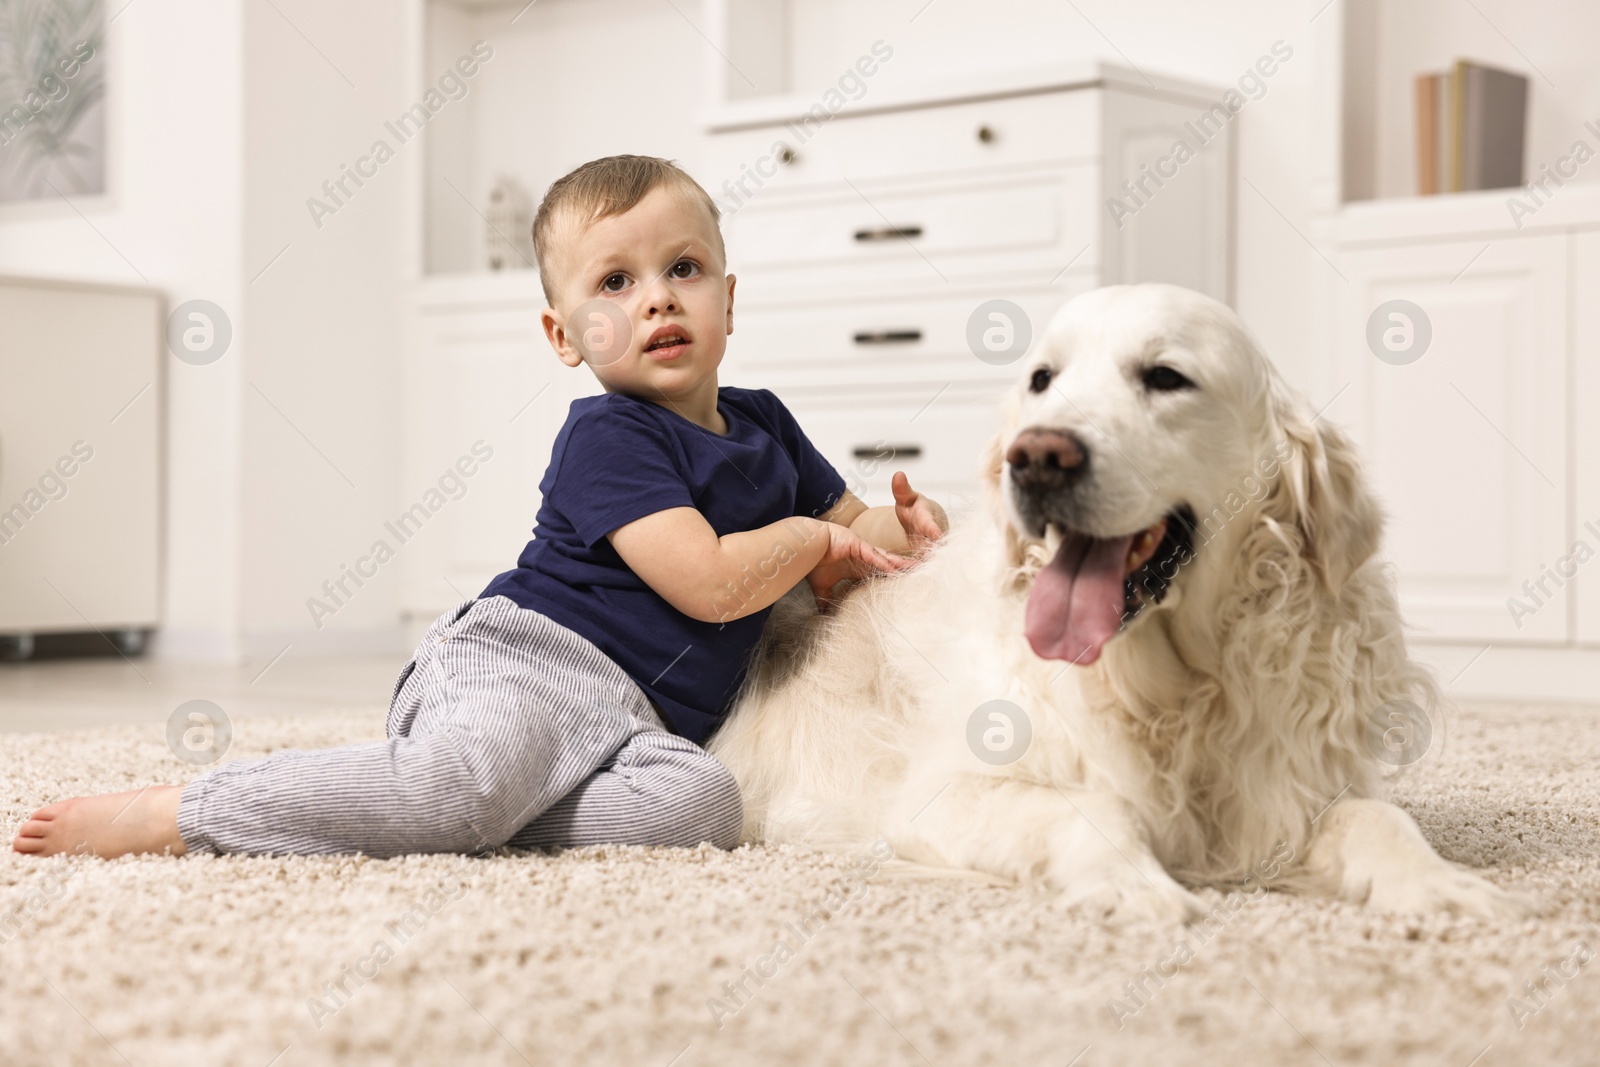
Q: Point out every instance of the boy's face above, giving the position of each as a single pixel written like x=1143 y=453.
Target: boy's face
x=625 y=282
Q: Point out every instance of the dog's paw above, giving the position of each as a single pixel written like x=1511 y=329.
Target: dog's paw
x=1124 y=893
x=1448 y=889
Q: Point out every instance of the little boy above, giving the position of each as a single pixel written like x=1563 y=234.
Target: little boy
x=565 y=704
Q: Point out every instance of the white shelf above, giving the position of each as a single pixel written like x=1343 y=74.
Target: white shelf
x=985 y=85
x=1451 y=216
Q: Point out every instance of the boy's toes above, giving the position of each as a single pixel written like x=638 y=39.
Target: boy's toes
x=33 y=835
x=38 y=833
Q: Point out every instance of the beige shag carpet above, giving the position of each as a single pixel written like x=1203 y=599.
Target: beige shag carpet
x=636 y=956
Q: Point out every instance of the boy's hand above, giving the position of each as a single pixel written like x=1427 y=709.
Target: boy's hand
x=848 y=556
x=923 y=520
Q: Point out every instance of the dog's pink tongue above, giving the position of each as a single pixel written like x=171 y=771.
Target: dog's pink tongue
x=1077 y=599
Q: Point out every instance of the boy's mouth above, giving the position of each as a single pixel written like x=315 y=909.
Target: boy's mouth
x=668 y=342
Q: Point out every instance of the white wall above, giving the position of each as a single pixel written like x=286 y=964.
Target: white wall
x=320 y=400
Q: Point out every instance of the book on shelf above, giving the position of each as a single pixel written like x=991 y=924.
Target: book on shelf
x=1471 y=124
x=1427 y=88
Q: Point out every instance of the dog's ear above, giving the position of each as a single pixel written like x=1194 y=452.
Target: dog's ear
x=1309 y=645
x=993 y=462
x=1322 y=491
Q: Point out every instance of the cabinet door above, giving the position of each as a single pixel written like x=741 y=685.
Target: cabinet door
x=1586 y=433
x=80 y=433
x=1465 y=443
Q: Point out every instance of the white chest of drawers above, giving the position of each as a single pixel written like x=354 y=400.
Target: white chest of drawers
x=867 y=247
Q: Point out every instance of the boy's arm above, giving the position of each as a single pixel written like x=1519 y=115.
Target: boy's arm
x=903 y=528
x=715 y=579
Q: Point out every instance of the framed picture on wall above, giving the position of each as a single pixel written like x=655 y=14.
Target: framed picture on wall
x=52 y=98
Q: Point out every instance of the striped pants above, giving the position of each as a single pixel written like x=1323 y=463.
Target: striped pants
x=505 y=728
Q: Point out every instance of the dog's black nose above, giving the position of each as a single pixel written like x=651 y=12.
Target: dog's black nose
x=1043 y=459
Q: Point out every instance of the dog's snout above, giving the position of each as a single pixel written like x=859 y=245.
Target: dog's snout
x=1042 y=459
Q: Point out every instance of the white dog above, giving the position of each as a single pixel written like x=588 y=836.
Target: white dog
x=1158 y=657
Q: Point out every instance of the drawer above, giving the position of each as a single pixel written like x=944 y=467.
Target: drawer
x=925 y=232
x=742 y=165
x=935 y=433
x=892 y=339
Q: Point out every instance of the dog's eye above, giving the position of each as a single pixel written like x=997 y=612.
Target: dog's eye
x=1164 y=380
x=1040 y=380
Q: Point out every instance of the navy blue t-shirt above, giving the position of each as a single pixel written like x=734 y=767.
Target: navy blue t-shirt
x=619 y=458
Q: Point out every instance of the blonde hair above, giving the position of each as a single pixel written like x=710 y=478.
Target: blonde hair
x=605 y=187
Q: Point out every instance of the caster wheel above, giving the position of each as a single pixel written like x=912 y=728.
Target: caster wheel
x=16 y=647
x=130 y=642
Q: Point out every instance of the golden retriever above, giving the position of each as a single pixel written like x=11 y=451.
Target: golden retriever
x=1160 y=656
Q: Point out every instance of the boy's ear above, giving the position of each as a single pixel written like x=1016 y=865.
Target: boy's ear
x=731 y=280
x=556 y=334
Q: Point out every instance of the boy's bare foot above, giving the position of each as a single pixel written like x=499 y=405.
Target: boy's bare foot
x=115 y=824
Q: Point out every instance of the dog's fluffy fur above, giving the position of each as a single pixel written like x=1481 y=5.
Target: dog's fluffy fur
x=1223 y=735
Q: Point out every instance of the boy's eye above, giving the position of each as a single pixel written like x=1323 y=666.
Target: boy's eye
x=689 y=268
x=618 y=277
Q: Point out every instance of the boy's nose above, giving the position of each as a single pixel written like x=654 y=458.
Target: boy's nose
x=659 y=297
x=660 y=294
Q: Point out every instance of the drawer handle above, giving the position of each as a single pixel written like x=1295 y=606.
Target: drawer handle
x=786 y=155
x=886 y=452
x=887 y=337
x=888 y=233
x=986 y=133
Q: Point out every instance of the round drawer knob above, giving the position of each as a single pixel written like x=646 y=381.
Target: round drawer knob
x=986 y=134
x=786 y=155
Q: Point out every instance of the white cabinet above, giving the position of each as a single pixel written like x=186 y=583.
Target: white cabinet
x=1584 y=399
x=80 y=460
x=1467 y=443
